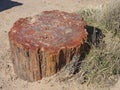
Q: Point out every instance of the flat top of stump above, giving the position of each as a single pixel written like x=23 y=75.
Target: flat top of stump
x=51 y=30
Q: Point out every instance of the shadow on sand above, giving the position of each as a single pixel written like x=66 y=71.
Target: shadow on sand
x=6 y=4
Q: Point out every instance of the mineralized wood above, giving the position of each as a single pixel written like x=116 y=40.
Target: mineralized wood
x=41 y=45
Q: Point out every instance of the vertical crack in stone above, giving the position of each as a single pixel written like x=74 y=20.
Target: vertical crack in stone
x=40 y=62
x=62 y=59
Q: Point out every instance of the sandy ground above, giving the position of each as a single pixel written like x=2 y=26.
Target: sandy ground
x=8 y=80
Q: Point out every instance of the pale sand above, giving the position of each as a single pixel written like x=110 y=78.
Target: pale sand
x=8 y=80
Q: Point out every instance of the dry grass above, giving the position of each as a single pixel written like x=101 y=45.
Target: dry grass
x=107 y=18
x=111 y=17
x=101 y=65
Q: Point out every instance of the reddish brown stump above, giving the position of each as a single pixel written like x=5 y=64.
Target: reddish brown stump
x=43 y=44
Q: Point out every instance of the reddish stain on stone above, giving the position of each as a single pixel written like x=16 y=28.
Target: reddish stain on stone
x=51 y=30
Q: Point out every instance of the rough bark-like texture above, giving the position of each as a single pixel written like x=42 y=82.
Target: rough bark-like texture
x=43 y=44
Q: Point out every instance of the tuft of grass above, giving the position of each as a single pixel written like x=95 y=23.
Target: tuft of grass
x=102 y=65
x=90 y=15
x=93 y=17
x=111 y=17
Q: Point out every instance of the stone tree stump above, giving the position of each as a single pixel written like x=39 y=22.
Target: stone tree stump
x=41 y=45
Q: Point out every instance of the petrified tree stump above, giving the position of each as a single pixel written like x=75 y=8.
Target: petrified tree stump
x=43 y=44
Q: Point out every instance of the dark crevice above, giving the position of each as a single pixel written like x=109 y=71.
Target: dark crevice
x=27 y=53
x=62 y=60
x=40 y=62
x=95 y=35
